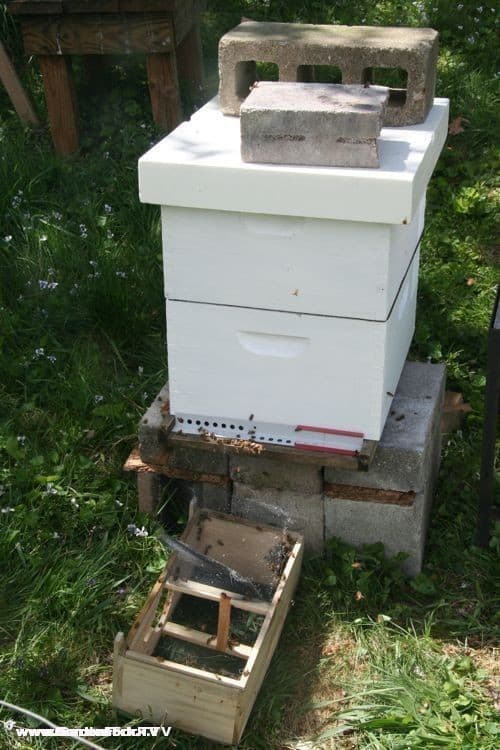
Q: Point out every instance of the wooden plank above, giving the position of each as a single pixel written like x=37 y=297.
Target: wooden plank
x=369 y=494
x=190 y=59
x=15 y=89
x=192 y=702
x=147 y=612
x=61 y=103
x=213 y=594
x=40 y=7
x=190 y=635
x=173 y=666
x=223 y=622
x=33 y=7
x=185 y=16
x=97 y=34
x=268 y=638
x=164 y=90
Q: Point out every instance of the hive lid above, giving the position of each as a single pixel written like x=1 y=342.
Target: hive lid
x=199 y=166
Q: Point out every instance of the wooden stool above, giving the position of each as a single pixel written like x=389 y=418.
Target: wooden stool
x=166 y=31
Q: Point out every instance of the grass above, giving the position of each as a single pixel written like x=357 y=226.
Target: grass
x=368 y=659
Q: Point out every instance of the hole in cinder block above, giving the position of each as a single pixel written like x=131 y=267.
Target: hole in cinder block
x=395 y=78
x=319 y=74
x=267 y=71
x=250 y=71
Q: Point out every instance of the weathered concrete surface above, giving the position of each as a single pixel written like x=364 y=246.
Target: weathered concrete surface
x=400 y=529
x=260 y=472
x=153 y=428
x=391 y=502
x=286 y=509
x=356 y=50
x=312 y=124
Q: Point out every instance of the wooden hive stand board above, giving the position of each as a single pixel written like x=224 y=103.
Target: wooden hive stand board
x=189 y=697
x=55 y=30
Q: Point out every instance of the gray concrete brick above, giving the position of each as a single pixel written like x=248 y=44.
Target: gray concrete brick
x=399 y=528
x=286 y=509
x=312 y=124
x=408 y=454
x=198 y=461
x=391 y=502
x=261 y=472
x=153 y=428
x=356 y=50
x=148 y=491
x=214 y=496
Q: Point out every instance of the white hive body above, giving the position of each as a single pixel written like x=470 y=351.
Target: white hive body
x=291 y=290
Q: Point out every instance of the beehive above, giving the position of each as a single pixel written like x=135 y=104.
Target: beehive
x=291 y=291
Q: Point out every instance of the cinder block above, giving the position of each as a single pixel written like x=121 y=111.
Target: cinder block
x=410 y=441
x=312 y=124
x=214 y=496
x=154 y=427
x=286 y=509
x=391 y=502
x=356 y=50
x=198 y=461
x=148 y=491
x=399 y=528
x=261 y=472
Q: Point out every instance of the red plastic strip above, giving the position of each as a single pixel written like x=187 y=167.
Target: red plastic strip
x=330 y=431
x=324 y=449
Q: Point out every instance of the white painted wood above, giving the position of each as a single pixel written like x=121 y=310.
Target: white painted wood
x=199 y=166
x=289 y=368
x=288 y=263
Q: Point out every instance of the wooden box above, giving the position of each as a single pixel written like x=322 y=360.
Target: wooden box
x=284 y=369
x=171 y=668
x=296 y=264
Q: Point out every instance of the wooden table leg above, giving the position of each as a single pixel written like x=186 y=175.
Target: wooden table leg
x=61 y=103
x=164 y=90
x=190 y=60
x=15 y=90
